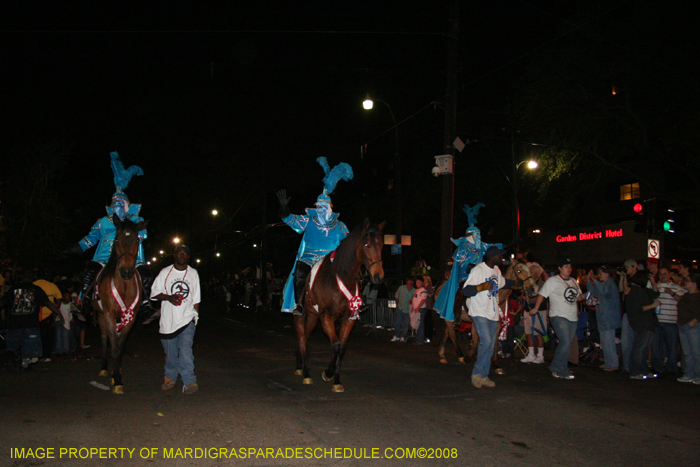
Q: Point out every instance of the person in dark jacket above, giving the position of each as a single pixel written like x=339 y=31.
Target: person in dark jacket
x=641 y=304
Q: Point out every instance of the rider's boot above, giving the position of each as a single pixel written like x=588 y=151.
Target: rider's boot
x=147 y=310
x=88 y=276
x=300 y=275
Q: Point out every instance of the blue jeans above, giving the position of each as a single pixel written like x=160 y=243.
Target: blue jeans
x=486 y=329
x=420 y=334
x=626 y=342
x=665 y=346
x=607 y=343
x=28 y=340
x=402 y=321
x=640 y=350
x=566 y=332
x=178 y=356
x=690 y=343
x=61 y=341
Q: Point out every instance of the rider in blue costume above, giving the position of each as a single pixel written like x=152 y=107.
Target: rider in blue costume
x=322 y=233
x=470 y=251
x=103 y=233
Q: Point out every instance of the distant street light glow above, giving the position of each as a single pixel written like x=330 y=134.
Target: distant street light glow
x=368 y=103
x=532 y=165
x=176 y=240
x=214 y=212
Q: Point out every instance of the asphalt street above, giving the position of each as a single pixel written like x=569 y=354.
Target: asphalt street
x=400 y=407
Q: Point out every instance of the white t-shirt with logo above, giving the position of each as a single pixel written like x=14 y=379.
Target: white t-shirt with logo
x=562 y=294
x=485 y=303
x=186 y=283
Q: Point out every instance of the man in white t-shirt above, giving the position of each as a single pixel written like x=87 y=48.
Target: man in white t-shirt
x=481 y=290
x=563 y=293
x=178 y=289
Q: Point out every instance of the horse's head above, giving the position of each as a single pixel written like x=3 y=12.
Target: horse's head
x=522 y=276
x=126 y=245
x=370 y=250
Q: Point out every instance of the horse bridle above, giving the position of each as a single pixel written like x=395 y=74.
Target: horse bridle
x=376 y=262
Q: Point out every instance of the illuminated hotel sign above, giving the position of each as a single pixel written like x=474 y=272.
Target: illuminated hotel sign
x=596 y=235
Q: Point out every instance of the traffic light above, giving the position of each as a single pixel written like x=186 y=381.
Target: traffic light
x=640 y=220
x=669 y=222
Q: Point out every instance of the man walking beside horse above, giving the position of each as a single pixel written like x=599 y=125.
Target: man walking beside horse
x=481 y=291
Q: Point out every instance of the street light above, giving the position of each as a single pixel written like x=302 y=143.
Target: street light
x=368 y=104
x=531 y=164
x=176 y=240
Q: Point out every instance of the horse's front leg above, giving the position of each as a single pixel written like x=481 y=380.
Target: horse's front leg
x=104 y=325
x=338 y=346
x=119 y=343
x=304 y=326
x=450 y=332
x=443 y=341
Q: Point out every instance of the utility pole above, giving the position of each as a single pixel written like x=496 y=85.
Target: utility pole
x=448 y=180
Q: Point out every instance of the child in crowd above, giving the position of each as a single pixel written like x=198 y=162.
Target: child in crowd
x=62 y=339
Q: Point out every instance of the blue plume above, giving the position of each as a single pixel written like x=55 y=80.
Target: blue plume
x=122 y=176
x=341 y=171
x=472 y=212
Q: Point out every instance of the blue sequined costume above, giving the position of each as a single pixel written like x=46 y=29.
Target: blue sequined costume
x=103 y=232
x=319 y=239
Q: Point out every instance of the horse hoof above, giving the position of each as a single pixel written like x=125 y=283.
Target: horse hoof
x=308 y=381
x=325 y=378
x=444 y=360
x=338 y=388
x=118 y=390
x=461 y=360
x=500 y=371
x=104 y=373
x=298 y=372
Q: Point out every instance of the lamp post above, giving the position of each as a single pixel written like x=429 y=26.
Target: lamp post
x=531 y=164
x=368 y=104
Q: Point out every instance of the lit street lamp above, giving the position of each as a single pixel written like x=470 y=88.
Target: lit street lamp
x=531 y=164
x=368 y=104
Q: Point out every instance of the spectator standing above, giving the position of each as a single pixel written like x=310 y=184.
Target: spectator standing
x=641 y=303
x=664 y=348
x=688 y=317
x=47 y=322
x=653 y=268
x=608 y=316
x=402 y=320
x=429 y=304
x=481 y=290
x=563 y=293
x=62 y=340
x=23 y=336
x=178 y=289
x=627 y=336
x=418 y=305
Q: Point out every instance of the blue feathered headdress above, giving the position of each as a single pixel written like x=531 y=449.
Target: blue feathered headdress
x=341 y=171
x=472 y=212
x=122 y=176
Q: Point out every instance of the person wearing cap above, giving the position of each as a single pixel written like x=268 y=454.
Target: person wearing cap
x=481 y=291
x=103 y=233
x=322 y=233
x=178 y=289
x=563 y=293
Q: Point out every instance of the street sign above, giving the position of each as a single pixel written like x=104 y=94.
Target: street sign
x=653 y=249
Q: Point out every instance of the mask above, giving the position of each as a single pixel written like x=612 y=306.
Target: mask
x=120 y=208
x=324 y=212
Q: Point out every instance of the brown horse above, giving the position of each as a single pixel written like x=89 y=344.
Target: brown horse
x=518 y=272
x=325 y=300
x=118 y=297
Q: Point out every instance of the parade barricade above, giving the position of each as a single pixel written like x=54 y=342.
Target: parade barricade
x=379 y=314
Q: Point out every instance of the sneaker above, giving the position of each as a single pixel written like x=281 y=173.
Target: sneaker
x=45 y=360
x=528 y=359
x=168 y=384
x=569 y=376
x=652 y=375
x=394 y=339
x=696 y=381
x=638 y=376
x=685 y=379
x=539 y=359
x=403 y=339
x=190 y=388
x=487 y=383
x=87 y=346
x=476 y=381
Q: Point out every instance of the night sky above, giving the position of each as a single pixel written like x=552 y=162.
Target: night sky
x=221 y=106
